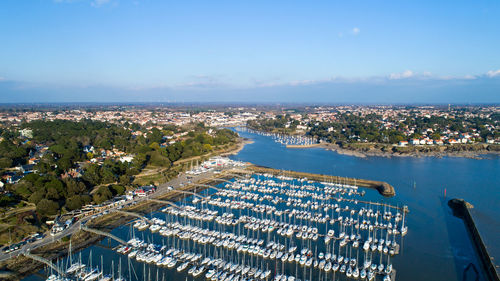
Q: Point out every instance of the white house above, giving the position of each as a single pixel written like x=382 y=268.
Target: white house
x=415 y=141
x=403 y=143
x=126 y=159
x=27 y=133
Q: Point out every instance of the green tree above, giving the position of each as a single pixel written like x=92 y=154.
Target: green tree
x=74 y=187
x=37 y=196
x=436 y=136
x=47 y=207
x=102 y=194
x=55 y=189
x=52 y=194
x=74 y=202
x=23 y=189
x=154 y=146
x=6 y=200
x=5 y=162
x=117 y=189
x=91 y=174
x=155 y=136
x=207 y=147
x=64 y=163
x=125 y=179
x=107 y=175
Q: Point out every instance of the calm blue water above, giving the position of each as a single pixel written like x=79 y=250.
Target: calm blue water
x=437 y=246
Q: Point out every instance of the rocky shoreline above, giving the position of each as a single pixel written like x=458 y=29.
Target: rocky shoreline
x=477 y=154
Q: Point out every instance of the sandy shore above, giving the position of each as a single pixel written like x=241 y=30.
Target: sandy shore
x=239 y=146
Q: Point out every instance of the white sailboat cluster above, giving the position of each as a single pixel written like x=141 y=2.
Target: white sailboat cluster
x=79 y=271
x=263 y=226
x=283 y=139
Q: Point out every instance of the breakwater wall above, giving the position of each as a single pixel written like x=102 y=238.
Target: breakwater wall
x=461 y=209
x=383 y=188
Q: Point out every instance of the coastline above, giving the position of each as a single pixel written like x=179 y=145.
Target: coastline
x=480 y=154
x=239 y=146
x=363 y=150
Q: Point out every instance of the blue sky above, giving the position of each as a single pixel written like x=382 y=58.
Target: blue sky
x=289 y=51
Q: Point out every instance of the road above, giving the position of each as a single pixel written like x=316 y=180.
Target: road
x=180 y=181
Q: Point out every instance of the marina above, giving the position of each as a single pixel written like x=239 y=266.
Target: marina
x=447 y=257
x=266 y=227
x=284 y=139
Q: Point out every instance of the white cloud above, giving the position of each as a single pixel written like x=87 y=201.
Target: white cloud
x=493 y=73
x=356 y=31
x=426 y=75
x=93 y=3
x=99 y=3
x=402 y=75
x=305 y=82
x=203 y=81
x=2 y=78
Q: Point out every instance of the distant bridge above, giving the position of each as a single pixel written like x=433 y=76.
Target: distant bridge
x=103 y=233
x=224 y=180
x=193 y=193
x=164 y=202
x=45 y=261
x=237 y=175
